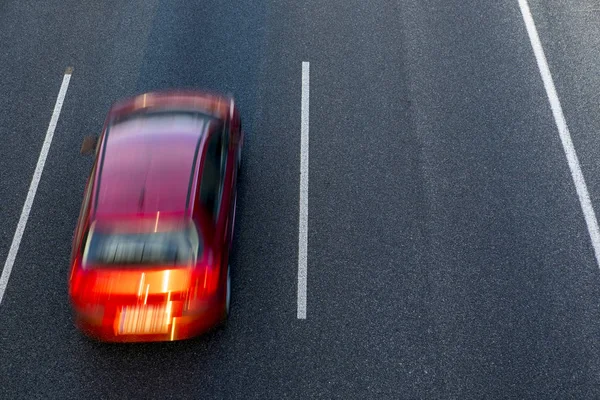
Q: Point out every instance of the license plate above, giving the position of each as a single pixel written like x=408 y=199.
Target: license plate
x=143 y=320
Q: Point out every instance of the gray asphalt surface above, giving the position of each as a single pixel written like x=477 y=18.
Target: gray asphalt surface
x=448 y=255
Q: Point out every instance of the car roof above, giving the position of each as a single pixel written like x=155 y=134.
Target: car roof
x=147 y=162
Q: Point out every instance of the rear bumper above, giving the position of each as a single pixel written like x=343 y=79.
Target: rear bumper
x=181 y=328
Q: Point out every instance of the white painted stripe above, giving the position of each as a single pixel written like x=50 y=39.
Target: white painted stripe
x=37 y=174
x=303 y=226
x=563 y=130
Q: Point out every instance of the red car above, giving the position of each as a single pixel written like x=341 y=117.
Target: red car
x=150 y=258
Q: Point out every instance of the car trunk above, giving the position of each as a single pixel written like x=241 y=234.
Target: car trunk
x=134 y=301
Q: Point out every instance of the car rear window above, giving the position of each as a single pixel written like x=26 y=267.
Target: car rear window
x=181 y=247
x=159 y=121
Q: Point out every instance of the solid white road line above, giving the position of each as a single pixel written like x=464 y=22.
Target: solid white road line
x=563 y=130
x=37 y=174
x=303 y=226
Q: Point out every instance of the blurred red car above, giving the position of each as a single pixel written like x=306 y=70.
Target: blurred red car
x=150 y=258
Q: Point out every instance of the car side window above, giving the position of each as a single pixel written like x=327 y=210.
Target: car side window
x=213 y=172
x=85 y=205
x=224 y=159
x=210 y=179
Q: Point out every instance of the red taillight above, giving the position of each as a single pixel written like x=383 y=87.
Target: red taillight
x=210 y=281
x=75 y=281
x=204 y=286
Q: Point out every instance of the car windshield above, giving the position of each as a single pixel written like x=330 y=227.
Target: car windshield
x=160 y=121
x=180 y=247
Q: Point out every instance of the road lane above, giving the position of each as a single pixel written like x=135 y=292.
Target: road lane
x=104 y=40
x=570 y=34
x=448 y=255
x=35 y=181
x=214 y=46
x=563 y=130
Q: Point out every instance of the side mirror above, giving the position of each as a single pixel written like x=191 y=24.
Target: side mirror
x=89 y=144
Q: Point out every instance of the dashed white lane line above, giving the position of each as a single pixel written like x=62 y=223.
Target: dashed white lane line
x=37 y=174
x=303 y=225
x=563 y=130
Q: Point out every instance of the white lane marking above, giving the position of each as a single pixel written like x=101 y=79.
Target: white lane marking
x=37 y=174
x=303 y=226
x=563 y=130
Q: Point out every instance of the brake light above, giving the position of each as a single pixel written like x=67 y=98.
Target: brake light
x=75 y=279
x=211 y=279
x=204 y=286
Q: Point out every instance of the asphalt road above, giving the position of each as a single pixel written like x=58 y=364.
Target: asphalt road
x=448 y=256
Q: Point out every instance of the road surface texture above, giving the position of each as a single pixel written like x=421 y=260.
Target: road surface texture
x=448 y=254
